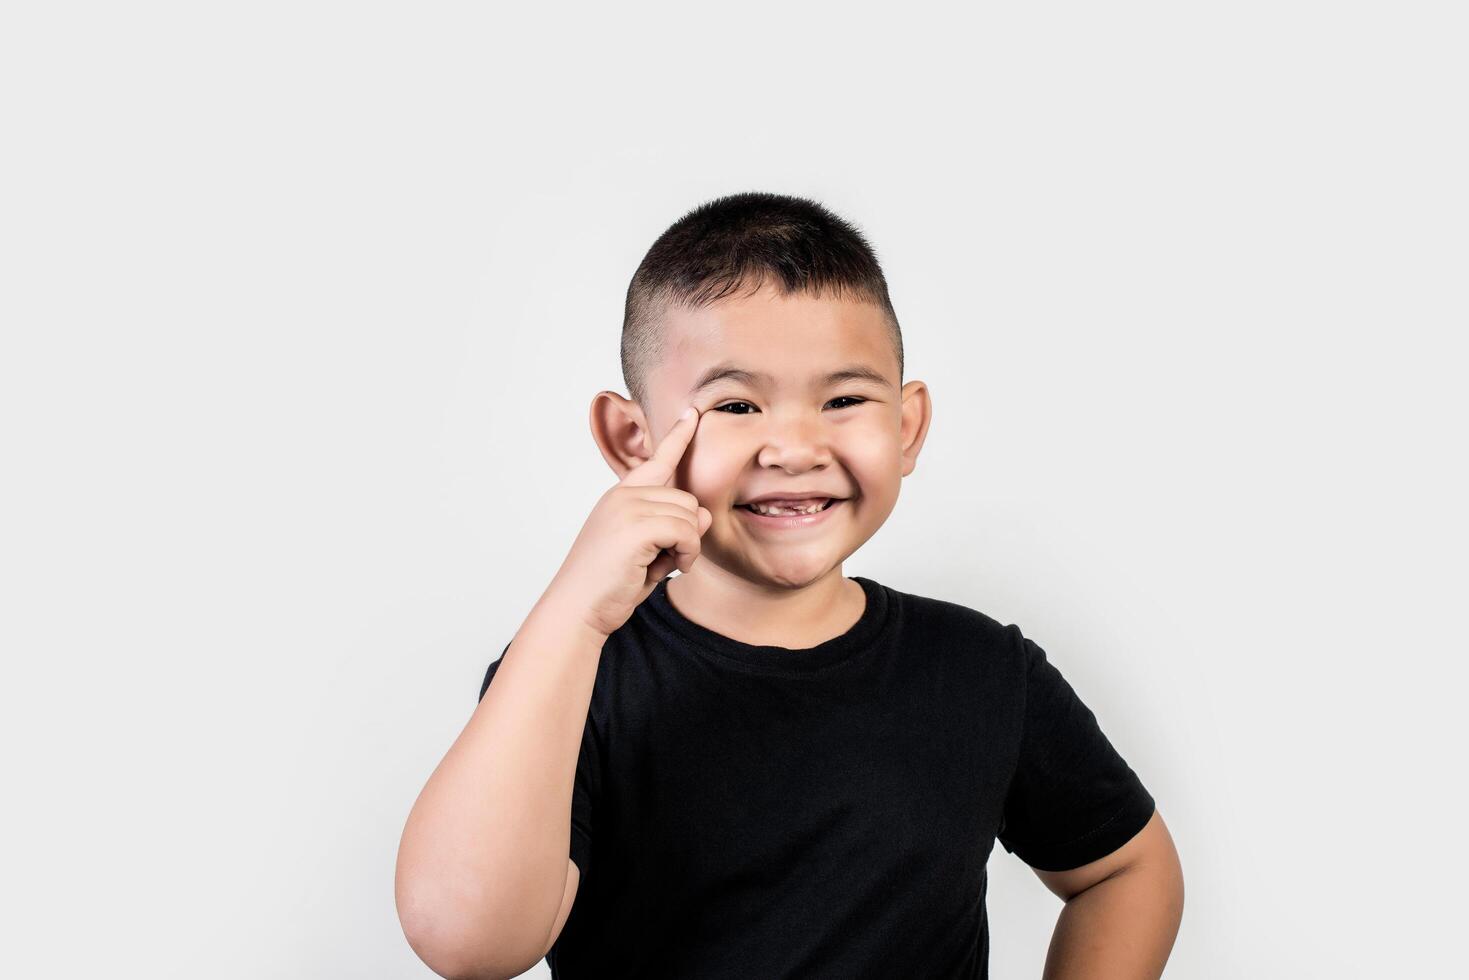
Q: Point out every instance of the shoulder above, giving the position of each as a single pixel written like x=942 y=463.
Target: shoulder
x=947 y=624
x=932 y=612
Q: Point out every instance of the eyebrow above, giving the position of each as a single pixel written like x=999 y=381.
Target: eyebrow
x=729 y=372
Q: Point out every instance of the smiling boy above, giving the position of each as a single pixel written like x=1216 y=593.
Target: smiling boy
x=760 y=767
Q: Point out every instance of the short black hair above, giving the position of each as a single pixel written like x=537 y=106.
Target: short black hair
x=738 y=239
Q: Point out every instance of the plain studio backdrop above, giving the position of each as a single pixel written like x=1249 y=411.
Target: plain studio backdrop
x=304 y=306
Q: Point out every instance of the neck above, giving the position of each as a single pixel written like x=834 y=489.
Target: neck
x=768 y=614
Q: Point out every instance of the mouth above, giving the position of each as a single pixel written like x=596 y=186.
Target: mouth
x=785 y=519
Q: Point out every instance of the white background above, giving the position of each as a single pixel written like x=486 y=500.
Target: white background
x=304 y=306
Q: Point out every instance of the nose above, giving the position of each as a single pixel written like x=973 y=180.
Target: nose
x=795 y=443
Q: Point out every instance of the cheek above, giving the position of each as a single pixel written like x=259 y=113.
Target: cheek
x=711 y=472
x=869 y=453
x=872 y=454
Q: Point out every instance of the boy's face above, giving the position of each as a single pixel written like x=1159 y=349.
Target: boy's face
x=785 y=428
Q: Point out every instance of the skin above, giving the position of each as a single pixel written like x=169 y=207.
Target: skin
x=1122 y=911
x=855 y=439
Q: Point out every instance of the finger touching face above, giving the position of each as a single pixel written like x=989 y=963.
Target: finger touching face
x=797 y=394
x=662 y=466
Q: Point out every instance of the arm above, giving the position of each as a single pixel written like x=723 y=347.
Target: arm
x=483 y=878
x=1122 y=911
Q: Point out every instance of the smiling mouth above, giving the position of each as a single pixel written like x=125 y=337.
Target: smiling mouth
x=773 y=511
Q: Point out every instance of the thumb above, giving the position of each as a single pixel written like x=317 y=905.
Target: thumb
x=705 y=519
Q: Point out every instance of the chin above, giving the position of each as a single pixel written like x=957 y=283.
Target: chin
x=794 y=577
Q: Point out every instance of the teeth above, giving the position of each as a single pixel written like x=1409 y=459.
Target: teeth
x=771 y=511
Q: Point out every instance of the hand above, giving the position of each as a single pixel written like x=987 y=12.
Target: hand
x=640 y=530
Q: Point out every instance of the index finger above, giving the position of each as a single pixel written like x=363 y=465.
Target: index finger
x=658 y=469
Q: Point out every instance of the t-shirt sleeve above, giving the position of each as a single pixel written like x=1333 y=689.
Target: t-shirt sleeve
x=582 y=791
x=1073 y=798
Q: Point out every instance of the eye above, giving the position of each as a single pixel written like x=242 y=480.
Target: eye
x=842 y=398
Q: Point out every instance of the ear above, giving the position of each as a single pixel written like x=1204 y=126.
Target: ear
x=621 y=432
x=916 y=413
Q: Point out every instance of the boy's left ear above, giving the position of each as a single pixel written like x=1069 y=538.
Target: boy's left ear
x=917 y=411
x=621 y=431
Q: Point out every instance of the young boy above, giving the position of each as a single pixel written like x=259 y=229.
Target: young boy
x=760 y=768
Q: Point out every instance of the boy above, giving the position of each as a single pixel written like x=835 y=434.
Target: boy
x=760 y=768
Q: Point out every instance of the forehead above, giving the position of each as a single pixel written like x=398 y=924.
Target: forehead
x=794 y=339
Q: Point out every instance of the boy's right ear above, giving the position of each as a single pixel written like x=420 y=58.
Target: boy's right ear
x=621 y=432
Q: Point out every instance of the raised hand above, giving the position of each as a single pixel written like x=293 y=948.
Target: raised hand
x=640 y=530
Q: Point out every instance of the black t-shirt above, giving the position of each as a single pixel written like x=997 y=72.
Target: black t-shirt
x=758 y=812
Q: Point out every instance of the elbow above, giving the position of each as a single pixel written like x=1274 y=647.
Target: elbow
x=454 y=943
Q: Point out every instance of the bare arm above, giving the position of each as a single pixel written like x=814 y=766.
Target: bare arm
x=485 y=880
x=483 y=862
x=1122 y=912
